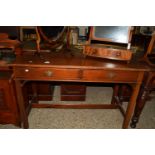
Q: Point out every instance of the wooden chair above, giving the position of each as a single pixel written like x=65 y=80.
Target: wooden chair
x=149 y=56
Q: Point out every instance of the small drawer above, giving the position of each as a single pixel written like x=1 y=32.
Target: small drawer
x=108 y=53
x=47 y=73
x=109 y=76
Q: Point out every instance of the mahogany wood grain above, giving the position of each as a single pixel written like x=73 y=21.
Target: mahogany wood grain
x=8 y=105
x=66 y=67
x=107 y=53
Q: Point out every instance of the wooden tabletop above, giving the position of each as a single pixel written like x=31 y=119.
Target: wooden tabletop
x=75 y=60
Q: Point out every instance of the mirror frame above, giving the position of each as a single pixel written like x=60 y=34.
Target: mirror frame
x=53 y=44
x=149 y=52
x=59 y=38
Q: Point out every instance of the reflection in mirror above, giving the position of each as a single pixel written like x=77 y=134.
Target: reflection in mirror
x=51 y=33
x=118 y=34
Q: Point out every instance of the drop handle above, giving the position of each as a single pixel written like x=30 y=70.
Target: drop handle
x=48 y=73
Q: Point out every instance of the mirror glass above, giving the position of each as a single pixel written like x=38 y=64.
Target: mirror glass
x=51 y=33
x=119 y=34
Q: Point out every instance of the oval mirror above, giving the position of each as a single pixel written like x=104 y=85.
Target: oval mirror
x=52 y=36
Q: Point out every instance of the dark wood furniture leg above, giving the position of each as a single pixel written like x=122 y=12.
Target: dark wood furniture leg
x=132 y=102
x=20 y=101
x=131 y=106
x=143 y=95
x=115 y=93
x=35 y=93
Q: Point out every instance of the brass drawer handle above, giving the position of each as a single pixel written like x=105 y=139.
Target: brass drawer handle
x=48 y=73
x=111 y=75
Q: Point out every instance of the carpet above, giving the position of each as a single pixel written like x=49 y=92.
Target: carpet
x=86 y=118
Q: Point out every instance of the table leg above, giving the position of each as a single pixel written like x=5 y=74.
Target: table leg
x=115 y=93
x=131 y=106
x=34 y=92
x=20 y=101
x=142 y=98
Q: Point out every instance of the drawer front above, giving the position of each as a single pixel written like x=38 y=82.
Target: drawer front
x=70 y=89
x=109 y=76
x=47 y=73
x=109 y=53
x=94 y=75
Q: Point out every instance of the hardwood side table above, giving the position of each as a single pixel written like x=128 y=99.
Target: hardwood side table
x=63 y=67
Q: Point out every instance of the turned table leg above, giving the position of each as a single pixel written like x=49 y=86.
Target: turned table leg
x=132 y=102
x=131 y=106
x=142 y=98
x=144 y=93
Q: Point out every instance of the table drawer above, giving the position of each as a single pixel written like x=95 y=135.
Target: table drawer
x=47 y=73
x=110 y=76
x=64 y=74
